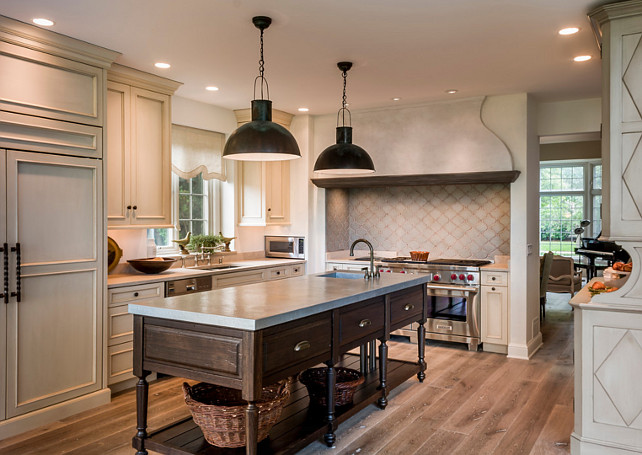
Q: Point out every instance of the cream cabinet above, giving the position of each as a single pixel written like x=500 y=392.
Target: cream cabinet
x=263 y=187
x=120 y=329
x=238 y=278
x=494 y=311
x=52 y=316
x=138 y=149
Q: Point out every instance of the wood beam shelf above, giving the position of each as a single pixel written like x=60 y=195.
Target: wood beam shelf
x=375 y=181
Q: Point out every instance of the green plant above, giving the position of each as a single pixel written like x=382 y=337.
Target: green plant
x=196 y=241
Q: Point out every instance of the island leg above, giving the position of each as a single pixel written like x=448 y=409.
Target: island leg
x=330 y=438
x=421 y=350
x=383 y=373
x=142 y=394
x=251 y=428
x=373 y=359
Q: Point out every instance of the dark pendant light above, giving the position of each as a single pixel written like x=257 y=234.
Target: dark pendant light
x=261 y=139
x=344 y=157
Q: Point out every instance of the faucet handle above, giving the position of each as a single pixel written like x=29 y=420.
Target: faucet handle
x=366 y=274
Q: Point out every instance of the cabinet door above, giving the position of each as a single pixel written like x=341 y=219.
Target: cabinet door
x=494 y=315
x=3 y=307
x=250 y=193
x=277 y=195
x=150 y=159
x=54 y=334
x=118 y=153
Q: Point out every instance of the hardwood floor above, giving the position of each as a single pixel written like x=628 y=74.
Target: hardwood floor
x=470 y=403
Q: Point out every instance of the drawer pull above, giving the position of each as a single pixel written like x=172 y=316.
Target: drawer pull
x=493 y=288
x=493 y=278
x=135 y=294
x=408 y=307
x=365 y=323
x=302 y=346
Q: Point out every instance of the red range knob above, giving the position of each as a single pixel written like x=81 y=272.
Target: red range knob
x=471 y=278
x=388 y=271
x=462 y=276
x=436 y=277
x=403 y=271
x=454 y=276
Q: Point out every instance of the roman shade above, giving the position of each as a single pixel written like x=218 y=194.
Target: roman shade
x=196 y=151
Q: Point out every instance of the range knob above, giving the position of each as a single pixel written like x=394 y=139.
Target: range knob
x=454 y=276
x=403 y=271
x=471 y=278
x=462 y=276
x=436 y=277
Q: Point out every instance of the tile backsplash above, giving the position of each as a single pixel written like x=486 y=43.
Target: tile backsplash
x=457 y=221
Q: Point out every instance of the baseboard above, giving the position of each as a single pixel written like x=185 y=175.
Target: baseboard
x=587 y=446
x=35 y=419
x=496 y=348
x=525 y=352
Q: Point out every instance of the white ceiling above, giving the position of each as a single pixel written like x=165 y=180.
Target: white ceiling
x=412 y=49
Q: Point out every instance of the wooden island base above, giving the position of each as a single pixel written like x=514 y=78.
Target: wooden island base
x=299 y=424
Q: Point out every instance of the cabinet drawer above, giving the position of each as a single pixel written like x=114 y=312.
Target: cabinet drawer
x=289 y=348
x=135 y=293
x=238 y=278
x=494 y=278
x=121 y=325
x=361 y=322
x=297 y=270
x=406 y=306
x=277 y=273
x=120 y=362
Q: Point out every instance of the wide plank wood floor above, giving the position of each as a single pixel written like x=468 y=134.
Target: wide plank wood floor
x=470 y=403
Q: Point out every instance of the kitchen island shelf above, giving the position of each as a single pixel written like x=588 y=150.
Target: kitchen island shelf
x=299 y=425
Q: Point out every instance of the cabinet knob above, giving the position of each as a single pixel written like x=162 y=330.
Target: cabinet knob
x=135 y=294
x=135 y=207
x=408 y=307
x=278 y=272
x=302 y=346
x=269 y=210
x=493 y=288
x=493 y=278
x=365 y=323
x=129 y=207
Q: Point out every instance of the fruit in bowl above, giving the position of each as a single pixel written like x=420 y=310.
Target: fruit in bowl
x=598 y=287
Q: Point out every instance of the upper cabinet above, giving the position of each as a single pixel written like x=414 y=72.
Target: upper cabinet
x=51 y=76
x=138 y=149
x=263 y=187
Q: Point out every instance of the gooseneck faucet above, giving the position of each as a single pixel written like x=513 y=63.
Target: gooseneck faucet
x=373 y=273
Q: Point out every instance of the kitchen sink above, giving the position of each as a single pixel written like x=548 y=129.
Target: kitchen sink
x=215 y=267
x=345 y=275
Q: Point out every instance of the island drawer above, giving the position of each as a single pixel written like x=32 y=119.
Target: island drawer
x=291 y=347
x=360 y=322
x=406 y=306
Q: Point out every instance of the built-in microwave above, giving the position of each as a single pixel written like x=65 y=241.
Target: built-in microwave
x=283 y=246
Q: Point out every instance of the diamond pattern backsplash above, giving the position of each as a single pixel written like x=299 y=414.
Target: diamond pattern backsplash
x=461 y=221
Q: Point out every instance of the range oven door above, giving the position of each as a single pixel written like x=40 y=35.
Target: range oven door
x=453 y=313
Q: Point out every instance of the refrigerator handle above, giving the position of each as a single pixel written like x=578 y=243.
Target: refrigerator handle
x=18 y=292
x=5 y=293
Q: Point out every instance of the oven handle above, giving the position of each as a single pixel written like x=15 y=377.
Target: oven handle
x=474 y=306
x=468 y=289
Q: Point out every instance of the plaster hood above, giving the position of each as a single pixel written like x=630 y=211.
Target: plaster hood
x=437 y=143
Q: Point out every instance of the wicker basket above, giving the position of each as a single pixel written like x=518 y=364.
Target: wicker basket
x=220 y=412
x=347 y=381
x=419 y=255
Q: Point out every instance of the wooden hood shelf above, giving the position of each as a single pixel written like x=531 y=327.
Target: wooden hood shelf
x=373 y=181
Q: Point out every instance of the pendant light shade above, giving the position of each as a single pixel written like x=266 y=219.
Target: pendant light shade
x=261 y=139
x=344 y=157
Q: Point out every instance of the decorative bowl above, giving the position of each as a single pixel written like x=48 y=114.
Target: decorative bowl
x=152 y=265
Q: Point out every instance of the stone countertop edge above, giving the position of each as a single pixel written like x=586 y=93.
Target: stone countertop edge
x=497 y=267
x=178 y=273
x=584 y=301
x=214 y=307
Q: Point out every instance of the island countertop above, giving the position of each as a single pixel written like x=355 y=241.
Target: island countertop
x=261 y=305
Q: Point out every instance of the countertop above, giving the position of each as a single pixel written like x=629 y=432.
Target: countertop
x=260 y=305
x=177 y=273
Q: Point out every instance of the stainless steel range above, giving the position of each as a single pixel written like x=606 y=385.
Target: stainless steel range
x=453 y=297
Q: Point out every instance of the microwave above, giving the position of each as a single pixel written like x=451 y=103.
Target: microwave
x=283 y=246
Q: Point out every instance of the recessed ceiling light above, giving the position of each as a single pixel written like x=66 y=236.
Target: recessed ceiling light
x=42 y=21
x=162 y=65
x=451 y=91
x=582 y=58
x=396 y=99
x=303 y=109
x=211 y=88
x=569 y=31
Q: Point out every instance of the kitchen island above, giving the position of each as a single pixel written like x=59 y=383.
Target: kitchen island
x=250 y=336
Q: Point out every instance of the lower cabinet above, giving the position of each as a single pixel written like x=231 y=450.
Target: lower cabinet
x=494 y=311
x=120 y=336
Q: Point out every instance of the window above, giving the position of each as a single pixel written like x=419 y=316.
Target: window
x=569 y=193
x=195 y=210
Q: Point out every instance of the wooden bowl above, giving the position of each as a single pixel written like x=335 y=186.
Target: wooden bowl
x=152 y=265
